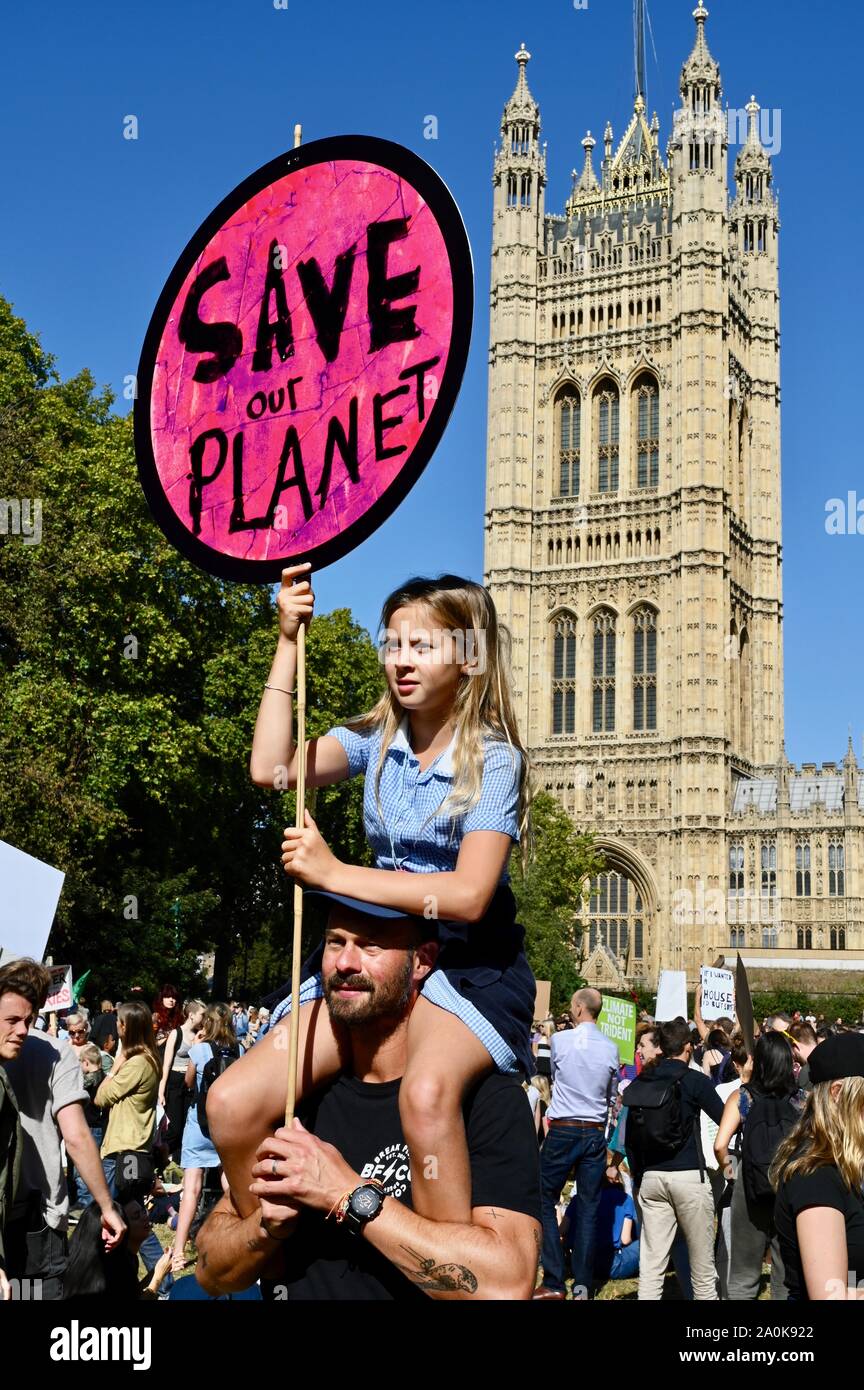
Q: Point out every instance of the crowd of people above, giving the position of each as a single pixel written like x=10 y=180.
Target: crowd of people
x=707 y=1156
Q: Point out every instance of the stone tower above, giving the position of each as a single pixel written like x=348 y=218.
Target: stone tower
x=633 y=531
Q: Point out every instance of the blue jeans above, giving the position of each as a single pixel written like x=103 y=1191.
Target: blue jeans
x=563 y=1149
x=83 y=1195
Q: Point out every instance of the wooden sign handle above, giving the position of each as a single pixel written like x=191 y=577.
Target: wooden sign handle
x=296 y=955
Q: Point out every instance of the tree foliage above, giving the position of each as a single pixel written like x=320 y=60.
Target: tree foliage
x=129 y=685
x=548 y=893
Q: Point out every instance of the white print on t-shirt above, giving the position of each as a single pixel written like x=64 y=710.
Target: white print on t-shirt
x=391 y=1168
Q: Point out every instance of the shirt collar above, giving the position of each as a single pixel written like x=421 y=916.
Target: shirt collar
x=443 y=764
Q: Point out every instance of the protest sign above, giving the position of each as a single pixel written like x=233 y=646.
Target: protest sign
x=29 y=894
x=718 y=993
x=542 y=996
x=303 y=358
x=618 y=1021
x=60 y=994
x=671 y=996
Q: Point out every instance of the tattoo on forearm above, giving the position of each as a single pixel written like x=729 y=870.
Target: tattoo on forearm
x=445 y=1278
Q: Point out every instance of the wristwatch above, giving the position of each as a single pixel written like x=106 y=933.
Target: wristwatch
x=363 y=1205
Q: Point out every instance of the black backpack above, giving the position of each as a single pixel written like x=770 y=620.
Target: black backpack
x=219 y=1062
x=766 y=1125
x=656 y=1127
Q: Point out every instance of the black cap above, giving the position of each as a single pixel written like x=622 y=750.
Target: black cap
x=837 y=1057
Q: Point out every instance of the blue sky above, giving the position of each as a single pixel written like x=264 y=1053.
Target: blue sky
x=94 y=222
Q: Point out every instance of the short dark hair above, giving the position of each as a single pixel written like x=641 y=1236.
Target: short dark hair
x=27 y=978
x=674 y=1037
x=802 y=1032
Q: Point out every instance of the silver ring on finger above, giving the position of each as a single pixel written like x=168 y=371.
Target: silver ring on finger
x=273 y=1168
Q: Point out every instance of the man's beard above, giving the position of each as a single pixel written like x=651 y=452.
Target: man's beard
x=380 y=1001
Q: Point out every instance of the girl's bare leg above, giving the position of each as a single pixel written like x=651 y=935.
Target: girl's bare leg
x=444 y=1061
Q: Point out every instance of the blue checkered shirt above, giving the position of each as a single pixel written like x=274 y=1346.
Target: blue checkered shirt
x=409 y=835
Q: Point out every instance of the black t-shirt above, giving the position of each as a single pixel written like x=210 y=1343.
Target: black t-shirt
x=323 y=1260
x=822 y=1188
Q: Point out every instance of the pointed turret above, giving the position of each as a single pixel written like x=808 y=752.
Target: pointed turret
x=700 y=69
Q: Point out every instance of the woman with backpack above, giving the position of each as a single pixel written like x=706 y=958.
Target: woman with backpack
x=207 y=1060
x=765 y=1109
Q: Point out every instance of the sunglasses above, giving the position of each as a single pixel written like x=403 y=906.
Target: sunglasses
x=77 y=1032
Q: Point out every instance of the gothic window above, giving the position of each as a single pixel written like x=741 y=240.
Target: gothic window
x=736 y=871
x=603 y=717
x=802 y=869
x=748 y=236
x=647 y=432
x=836 y=869
x=564 y=676
x=805 y=938
x=769 y=937
x=737 y=936
x=569 y=411
x=644 y=670
x=607 y=400
x=838 y=938
x=612 y=918
x=525 y=191
x=768 y=853
x=512 y=191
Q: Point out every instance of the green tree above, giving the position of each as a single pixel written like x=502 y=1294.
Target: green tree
x=548 y=891
x=129 y=684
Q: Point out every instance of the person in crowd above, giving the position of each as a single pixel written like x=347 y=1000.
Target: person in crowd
x=239 y=1020
x=167 y=1015
x=779 y=1023
x=584 y=1072
x=103 y=1028
x=93 y=1272
x=543 y=1047
x=13 y=1031
x=173 y=1091
x=539 y=1093
x=804 y=1042
x=350 y=1158
x=93 y=1075
x=664 y=1153
x=252 y=1026
x=263 y=1022
x=198 y=1152
x=129 y=1094
x=616 y=1253
x=78 y=1030
x=765 y=1109
x=45 y=1077
x=819 y=1177
x=743 y=1065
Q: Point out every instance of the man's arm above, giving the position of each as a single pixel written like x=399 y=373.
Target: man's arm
x=235 y=1251
x=82 y=1150
x=493 y=1257
x=706 y=1096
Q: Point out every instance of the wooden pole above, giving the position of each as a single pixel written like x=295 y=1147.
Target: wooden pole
x=296 y=961
x=296 y=956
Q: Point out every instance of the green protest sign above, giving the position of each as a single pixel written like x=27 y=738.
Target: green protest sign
x=618 y=1021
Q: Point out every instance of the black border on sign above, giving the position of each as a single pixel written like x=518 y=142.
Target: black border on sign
x=436 y=194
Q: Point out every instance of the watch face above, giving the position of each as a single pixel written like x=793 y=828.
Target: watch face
x=365 y=1201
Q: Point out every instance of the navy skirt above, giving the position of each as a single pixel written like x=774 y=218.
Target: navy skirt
x=481 y=976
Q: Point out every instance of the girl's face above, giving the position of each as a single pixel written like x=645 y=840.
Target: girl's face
x=168 y=1002
x=423 y=661
x=196 y=1019
x=648 y=1049
x=138 y=1222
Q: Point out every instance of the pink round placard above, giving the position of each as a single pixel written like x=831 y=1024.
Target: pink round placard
x=304 y=357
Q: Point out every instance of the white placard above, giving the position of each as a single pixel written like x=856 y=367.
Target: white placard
x=60 y=994
x=718 y=993
x=29 y=894
x=671 y=996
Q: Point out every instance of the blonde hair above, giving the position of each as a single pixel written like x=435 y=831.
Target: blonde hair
x=483 y=705
x=830 y=1133
x=90 y=1053
x=218 y=1027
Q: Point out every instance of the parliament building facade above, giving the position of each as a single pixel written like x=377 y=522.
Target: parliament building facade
x=633 y=541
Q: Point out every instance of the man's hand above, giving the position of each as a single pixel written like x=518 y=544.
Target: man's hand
x=113 y=1228
x=296 y=1169
x=307 y=857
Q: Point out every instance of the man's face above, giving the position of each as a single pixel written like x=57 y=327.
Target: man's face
x=370 y=967
x=16 y=1015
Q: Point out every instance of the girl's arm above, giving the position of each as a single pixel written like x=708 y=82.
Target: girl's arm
x=701 y=1025
x=824 y=1254
x=189 y=1075
x=120 y=1084
x=274 y=756
x=627 y=1230
x=170 y=1048
x=728 y=1125
x=461 y=895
